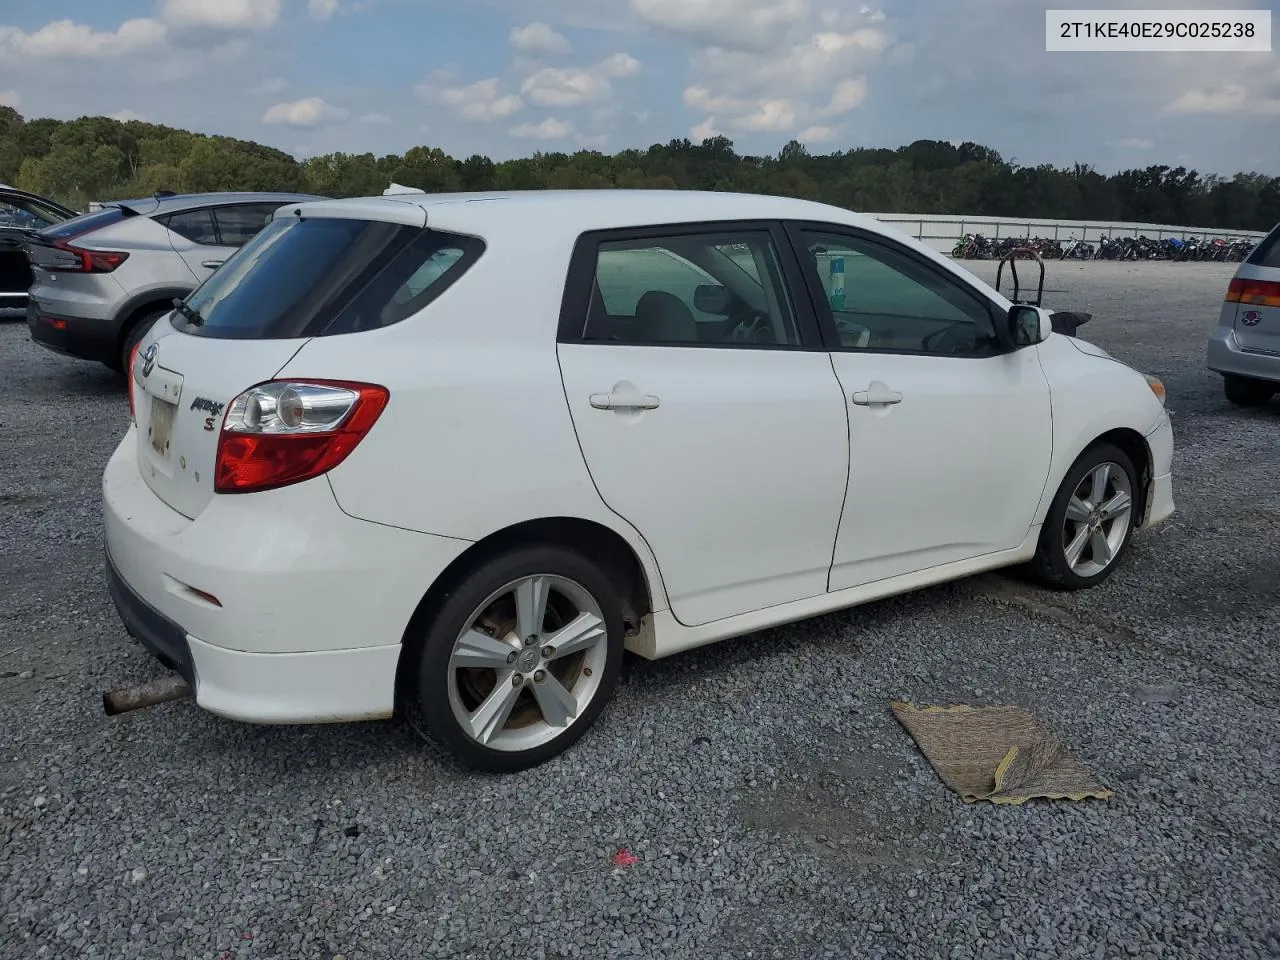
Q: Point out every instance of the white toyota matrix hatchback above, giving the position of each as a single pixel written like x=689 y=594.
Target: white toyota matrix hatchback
x=450 y=455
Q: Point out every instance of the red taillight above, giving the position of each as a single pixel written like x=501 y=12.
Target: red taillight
x=286 y=431
x=77 y=260
x=1255 y=293
x=133 y=356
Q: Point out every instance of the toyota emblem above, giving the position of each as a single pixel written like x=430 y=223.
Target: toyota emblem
x=148 y=360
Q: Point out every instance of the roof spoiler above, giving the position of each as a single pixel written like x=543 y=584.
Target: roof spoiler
x=397 y=189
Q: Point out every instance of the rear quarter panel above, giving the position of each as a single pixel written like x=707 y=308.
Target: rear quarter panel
x=477 y=436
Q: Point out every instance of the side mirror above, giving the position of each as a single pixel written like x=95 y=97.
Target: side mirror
x=712 y=298
x=1028 y=325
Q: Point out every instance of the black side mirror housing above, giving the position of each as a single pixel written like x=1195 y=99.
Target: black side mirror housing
x=712 y=298
x=1026 y=325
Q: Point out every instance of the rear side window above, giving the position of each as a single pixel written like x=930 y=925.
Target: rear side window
x=77 y=226
x=312 y=277
x=1267 y=252
x=239 y=224
x=196 y=225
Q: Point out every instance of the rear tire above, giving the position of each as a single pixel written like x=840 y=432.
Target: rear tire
x=1245 y=392
x=137 y=330
x=1090 y=522
x=498 y=688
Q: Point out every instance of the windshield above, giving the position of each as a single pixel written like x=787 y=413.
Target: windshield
x=307 y=277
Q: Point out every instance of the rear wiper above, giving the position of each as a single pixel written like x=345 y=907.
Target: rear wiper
x=192 y=316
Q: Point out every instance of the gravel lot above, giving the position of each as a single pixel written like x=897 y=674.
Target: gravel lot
x=776 y=807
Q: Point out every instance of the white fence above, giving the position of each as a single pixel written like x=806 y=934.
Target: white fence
x=942 y=232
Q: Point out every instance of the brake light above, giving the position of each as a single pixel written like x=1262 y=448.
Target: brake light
x=1255 y=293
x=133 y=356
x=287 y=431
x=73 y=259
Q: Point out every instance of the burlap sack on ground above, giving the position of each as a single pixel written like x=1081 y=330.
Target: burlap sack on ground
x=1000 y=754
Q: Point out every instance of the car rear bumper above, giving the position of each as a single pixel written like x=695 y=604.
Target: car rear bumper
x=1227 y=356
x=276 y=607
x=72 y=336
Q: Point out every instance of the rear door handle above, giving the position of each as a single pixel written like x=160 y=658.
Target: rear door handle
x=876 y=393
x=612 y=401
x=212 y=264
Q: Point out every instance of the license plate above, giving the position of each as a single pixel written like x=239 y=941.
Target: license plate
x=161 y=424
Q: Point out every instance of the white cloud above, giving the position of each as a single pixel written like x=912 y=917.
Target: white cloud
x=302 y=113
x=619 y=65
x=221 y=14
x=10 y=98
x=817 y=134
x=483 y=100
x=1136 y=143
x=749 y=24
x=538 y=39
x=705 y=130
x=548 y=129
x=595 y=141
x=847 y=95
x=1227 y=98
x=375 y=117
x=269 y=86
x=65 y=38
x=124 y=116
x=574 y=86
x=322 y=9
x=812 y=67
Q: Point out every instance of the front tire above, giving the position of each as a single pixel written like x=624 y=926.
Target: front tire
x=1090 y=522
x=518 y=661
x=1244 y=392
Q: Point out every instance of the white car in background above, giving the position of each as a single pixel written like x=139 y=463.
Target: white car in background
x=452 y=454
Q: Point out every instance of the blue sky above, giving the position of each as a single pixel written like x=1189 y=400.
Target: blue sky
x=508 y=77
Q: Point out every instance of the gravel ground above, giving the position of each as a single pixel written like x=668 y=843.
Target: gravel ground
x=775 y=806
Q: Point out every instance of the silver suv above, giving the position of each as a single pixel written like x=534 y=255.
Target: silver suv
x=1245 y=347
x=101 y=280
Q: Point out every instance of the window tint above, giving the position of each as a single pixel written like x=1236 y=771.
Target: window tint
x=25 y=215
x=324 y=276
x=883 y=299
x=196 y=225
x=84 y=223
x=691 y=289
x=1267 y=252
x=240 y=224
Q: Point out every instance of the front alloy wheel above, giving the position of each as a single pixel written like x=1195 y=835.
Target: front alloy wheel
x=1090 y=522
x=519 y=661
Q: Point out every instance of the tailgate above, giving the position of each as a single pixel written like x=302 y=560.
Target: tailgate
x=181 y=387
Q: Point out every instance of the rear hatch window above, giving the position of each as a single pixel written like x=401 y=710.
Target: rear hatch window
x=77 y=226
x=321 y=276
x=1267 y=252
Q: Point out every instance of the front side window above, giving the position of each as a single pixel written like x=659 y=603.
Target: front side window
x=308 y=277
x=715 y=288
x=881 y=298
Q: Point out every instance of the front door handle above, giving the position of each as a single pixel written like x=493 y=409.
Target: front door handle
x=875 y=394
x=612 y=401
x=212 y=264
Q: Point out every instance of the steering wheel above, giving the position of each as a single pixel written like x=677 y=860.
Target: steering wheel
x=959 y=339
x=749 y=324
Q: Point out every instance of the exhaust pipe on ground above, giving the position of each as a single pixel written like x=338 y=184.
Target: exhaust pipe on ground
x=127 y=699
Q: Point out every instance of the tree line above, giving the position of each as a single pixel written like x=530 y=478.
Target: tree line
x=99 y=158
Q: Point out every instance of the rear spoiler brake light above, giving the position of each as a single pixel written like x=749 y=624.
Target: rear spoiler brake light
x=1255 y=293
